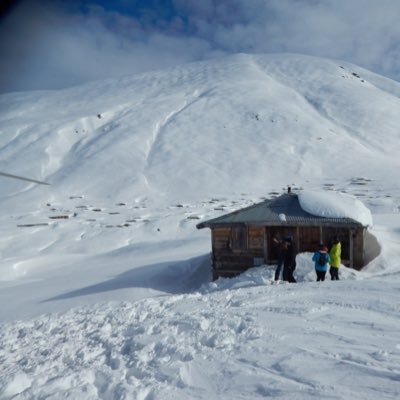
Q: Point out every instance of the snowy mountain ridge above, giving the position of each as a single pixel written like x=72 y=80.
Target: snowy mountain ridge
x=272 y=116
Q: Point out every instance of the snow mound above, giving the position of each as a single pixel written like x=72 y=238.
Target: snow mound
x=335 y=205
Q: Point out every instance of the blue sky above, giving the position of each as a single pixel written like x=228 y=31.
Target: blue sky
x=51 y=44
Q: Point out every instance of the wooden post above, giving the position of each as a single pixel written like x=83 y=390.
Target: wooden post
x=320 y=235
x=266 y=245
x=351 y=250
x=212 y=247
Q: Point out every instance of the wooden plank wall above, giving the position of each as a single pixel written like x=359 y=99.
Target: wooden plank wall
x=220 y=238
x=228 y=258
x=309 y=238
x=232 y=256
x=256 y=237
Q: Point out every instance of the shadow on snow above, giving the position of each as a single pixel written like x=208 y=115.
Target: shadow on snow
x=174 y=277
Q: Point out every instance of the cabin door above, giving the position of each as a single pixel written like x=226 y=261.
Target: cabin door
x=309 y=238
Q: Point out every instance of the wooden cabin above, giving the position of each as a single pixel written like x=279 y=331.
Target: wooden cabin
x=244 y=238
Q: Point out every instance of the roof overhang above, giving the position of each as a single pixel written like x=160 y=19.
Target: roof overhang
x=282 y=211
x=209 y=224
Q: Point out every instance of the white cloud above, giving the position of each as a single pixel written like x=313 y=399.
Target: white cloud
x=45 y=45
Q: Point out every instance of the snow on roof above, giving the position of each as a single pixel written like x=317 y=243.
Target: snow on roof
x=331 y=204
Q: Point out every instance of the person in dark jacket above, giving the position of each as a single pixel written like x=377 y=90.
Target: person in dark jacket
x=281 y=247
x=289 y=260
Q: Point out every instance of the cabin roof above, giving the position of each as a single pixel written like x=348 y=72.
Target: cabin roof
x=267 y=213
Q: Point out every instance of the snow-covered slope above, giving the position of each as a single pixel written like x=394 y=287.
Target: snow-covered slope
x=251 y=341
x=191 y=130
x=110 y=250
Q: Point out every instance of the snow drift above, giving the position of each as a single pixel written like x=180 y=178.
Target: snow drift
x=335 y=205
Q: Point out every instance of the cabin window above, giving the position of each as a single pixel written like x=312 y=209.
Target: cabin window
x=239 y=238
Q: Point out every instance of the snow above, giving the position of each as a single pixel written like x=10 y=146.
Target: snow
x=335 y=205
x=105 y=280
x=234 y=338
x=282 y=217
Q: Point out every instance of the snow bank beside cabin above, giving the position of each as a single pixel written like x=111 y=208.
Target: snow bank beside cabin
x=335 y=205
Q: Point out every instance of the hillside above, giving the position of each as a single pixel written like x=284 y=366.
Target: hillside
x=186 y=132
x=105 y=280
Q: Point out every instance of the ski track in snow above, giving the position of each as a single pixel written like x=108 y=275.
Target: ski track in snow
x=159 y=128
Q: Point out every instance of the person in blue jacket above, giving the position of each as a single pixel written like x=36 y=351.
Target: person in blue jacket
x=321 y=262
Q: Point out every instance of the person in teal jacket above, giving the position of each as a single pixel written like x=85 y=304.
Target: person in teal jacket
x=321 y=261
x=335 y=255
